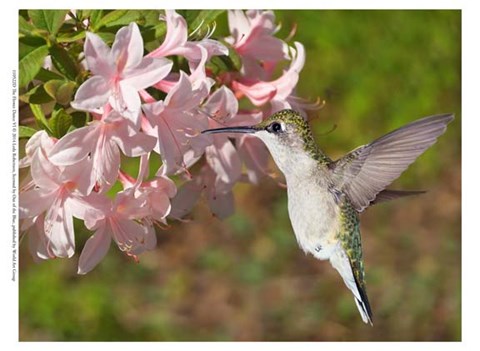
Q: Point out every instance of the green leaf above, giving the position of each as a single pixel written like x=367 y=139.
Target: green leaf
x=204 y=19
x=37 y=95
x=152 y=34
x=118 y=18
x=49 y=20
x=70 y=36
x=229 y=63
x=65 y=93
x=95 y=17
x=60 y=90
x=189 y=15
x=107 y=37
x=63 y=62
x=40 y=118
x=25 y=27
x=234 y=58
x=79 y=119
x=149 y=18
x=25 y=132
x=60 y=122
x=32 y=54
x=45 y=75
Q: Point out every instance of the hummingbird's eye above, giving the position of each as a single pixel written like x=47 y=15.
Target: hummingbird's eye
x=275 y=127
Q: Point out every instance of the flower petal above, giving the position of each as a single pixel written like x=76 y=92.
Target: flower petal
x=222 y=205
x=79 y=176
x=45 y=174
x=239 y=24
x=97 y=55
x=259 y=93
x=76 y=145
x=38 y=242
x=127 y=103
x=60 y=233
x=132 y=143
x=146 y=239
x=92 y=94
x=185 y=199
x=95 y=249
x=149 y=72
x=34 y=202
x=221 y=105
x=106 y=163
x=265 y=48
x=179 y=96
x=129 y=235
x=160 y=204
x=223 y=158
x=127 y=49
x=255 y=156
x=176 y=37
x=38 y=140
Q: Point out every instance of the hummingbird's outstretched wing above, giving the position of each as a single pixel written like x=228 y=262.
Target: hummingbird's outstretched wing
x=367 y=170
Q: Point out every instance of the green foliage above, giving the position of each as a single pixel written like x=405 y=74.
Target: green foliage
x=40 y=118
x=32 y=52
x=203 y=21
x=36 y=95
x=50 y=33
x=114 y=18
x=60 y=90
x=48 y=20
x=63 y=62
x=25 y=132
x=60 y=123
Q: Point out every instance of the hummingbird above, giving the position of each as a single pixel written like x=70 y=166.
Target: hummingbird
x=325 y=197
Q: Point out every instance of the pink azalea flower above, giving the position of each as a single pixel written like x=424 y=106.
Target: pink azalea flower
x=60 y=192
x=38 y=242
x=102 y=141
x=119 y=73
x=218 y=194
x=252 y=35
x=255 y=156
x=176 y=123
x=201 y=84
x=176 y=42
x=222 y=156
x=116 y=221
x=156 y=192
x=223 y=159
x=39 y=140
x=260 y=92
x=253 y=40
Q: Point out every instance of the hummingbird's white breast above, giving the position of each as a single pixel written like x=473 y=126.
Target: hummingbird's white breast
x=314 y=216
x=313 y=211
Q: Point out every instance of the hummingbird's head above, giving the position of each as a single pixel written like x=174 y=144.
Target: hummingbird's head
x=285 y=133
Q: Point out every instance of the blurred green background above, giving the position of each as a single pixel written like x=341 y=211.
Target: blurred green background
x=245 y=278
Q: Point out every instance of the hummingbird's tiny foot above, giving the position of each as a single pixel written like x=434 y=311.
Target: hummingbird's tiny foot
x=318 y=248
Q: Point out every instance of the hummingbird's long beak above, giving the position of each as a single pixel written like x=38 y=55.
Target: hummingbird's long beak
x=248 y=129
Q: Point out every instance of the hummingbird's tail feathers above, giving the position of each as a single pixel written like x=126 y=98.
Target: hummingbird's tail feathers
x=363 y=304
x=342 y=264
x=362 y=308
x=390 y=194
x=367 y=170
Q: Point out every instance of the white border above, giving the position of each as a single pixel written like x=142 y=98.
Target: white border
x=470 y=160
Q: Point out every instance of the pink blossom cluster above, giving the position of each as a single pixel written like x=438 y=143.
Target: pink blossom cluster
x=72 y=176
